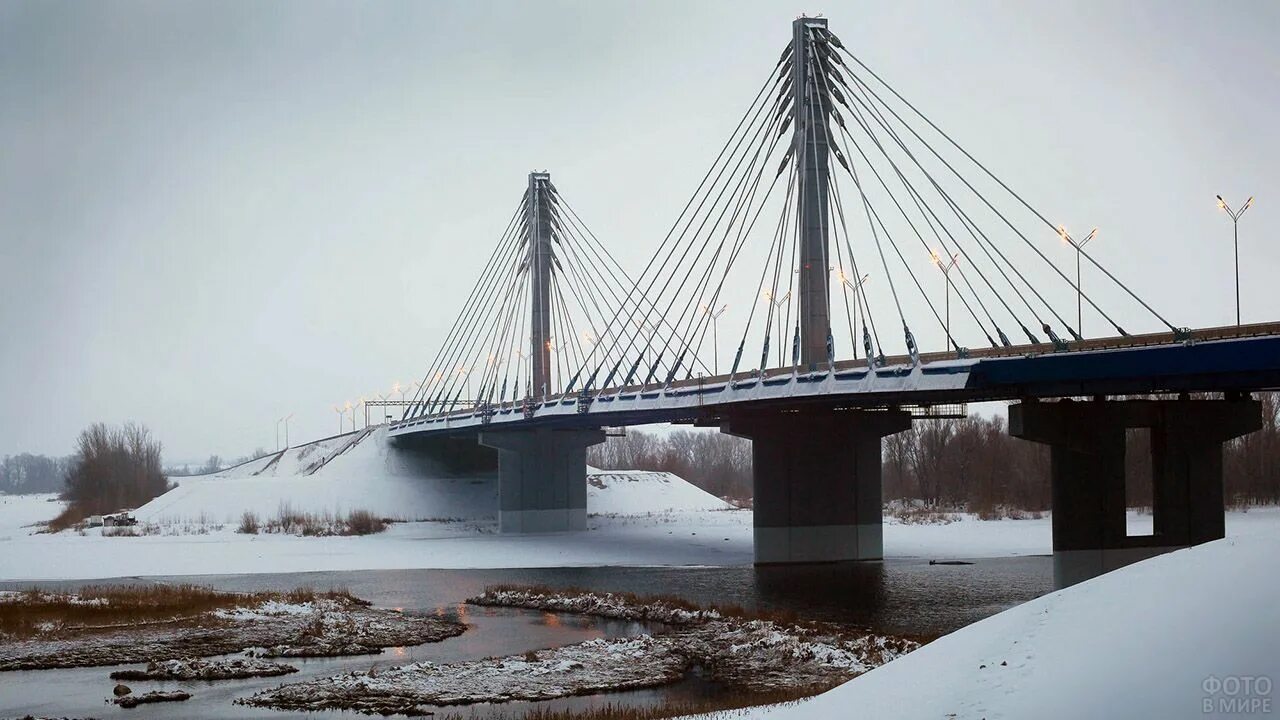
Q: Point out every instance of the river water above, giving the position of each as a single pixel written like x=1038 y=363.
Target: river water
x=897 y=596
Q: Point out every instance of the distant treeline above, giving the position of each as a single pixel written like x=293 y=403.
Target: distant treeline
x=26 y=473
x=966 y=464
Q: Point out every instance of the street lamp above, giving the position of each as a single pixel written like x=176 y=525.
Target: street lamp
x=351 y=409
x=287 y=418
x=946 y=284
x=715 y=334
x=466 y=373
x=1235 y=228
x=643 y=326
x=1078 y=245
x=338 y=409
x=854 y=287
x=591 y=339
x=777 y=303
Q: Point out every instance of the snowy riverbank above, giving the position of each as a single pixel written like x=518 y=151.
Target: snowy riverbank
x=1189 y=634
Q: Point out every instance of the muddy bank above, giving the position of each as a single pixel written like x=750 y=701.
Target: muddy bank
x=157 y=696
x=194 y=669
x=329 y=624
x=590 y=667
x=753 y=655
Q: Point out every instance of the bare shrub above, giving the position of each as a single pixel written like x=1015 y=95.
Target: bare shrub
x=248 y=523
x=113 y=468
x=363 y=522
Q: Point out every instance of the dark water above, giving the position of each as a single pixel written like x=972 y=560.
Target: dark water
x=897 y=596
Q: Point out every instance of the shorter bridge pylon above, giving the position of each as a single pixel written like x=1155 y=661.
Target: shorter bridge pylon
x=542 y=478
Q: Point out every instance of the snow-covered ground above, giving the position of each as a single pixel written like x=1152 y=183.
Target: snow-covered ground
x=680 y=538
x=17 y=512
x=1189 y=634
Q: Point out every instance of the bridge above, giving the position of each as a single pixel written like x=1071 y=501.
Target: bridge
x=832 y=204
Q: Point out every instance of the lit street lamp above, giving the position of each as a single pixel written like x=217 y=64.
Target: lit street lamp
x=1235 y=228
x=715 y=334
x=946 y=284
x=1066 y=237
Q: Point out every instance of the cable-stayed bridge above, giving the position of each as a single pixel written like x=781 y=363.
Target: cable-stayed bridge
x=836 y=205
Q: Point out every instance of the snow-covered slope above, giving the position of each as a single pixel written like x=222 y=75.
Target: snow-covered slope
x=356 y=471
x=1157 y=639
x=633 y=492
x=363 y=471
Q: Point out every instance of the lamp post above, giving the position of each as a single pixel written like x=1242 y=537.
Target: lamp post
x=777 y=303
x=715 y=334
x=1235 y=230
x=645 y=329
x=945 y=267
x=466 y=373
x=286 y=430
x=278 y=433
x=1078 y=245
x=590 y=338
x=338 y=409
x=854 y=287
x=352 y=410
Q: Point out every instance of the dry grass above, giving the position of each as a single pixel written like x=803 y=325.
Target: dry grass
x=248 y=523
x=729 y=703
x=292 y=522
x=102 y=606
x=70 y=517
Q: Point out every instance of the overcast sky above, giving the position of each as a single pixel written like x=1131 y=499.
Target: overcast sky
x=213 y=214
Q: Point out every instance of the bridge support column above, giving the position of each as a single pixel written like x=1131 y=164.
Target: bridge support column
x=542 y=478
x=1087 y=469
x=817 y=483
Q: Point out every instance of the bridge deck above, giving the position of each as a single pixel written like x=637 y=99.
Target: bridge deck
x=1242 y=358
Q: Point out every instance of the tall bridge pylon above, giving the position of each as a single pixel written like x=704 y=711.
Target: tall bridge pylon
x=811 y=149
x=537 y=222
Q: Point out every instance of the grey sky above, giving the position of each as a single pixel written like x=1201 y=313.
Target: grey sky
x=216 y=213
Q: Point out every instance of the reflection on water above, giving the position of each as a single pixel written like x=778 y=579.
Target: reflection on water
x=898 y=596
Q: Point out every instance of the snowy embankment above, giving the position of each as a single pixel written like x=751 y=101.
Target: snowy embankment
x=362 y=471
x=1189 y=634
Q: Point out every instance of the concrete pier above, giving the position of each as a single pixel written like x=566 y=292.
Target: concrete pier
x=1087 y=462
x=817 y=482
x=542 y=478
